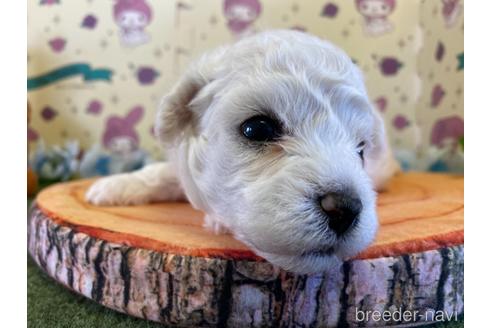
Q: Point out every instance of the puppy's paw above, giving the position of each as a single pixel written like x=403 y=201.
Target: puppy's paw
x=122 y=189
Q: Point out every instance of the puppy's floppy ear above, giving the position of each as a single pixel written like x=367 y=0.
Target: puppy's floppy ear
x=381 y=164
x=175 y=117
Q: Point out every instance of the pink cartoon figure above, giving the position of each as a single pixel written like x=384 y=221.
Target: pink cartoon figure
x=132 y=16
x=375 y=13
x=451 y=10
x=241 y=15
x=120 y=135
x=121 y=152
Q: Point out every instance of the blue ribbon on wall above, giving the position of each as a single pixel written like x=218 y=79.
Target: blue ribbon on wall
x=68 y=71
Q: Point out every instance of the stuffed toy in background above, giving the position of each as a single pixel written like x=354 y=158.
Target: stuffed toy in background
x=56 y=163
x=118 y=153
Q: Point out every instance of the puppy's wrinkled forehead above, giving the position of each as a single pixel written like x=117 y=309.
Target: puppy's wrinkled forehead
x=299 y=101
x=295 y=82
x=295 y=99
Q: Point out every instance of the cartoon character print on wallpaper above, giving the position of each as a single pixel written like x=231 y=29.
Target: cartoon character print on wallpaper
x=121 y=152
x=132 y=16
x=375 y=14
x=451 y=10
x=241 y=15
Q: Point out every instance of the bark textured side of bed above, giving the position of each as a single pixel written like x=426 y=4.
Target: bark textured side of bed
x=193 y=291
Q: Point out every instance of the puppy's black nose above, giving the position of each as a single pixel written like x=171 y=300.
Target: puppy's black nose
x=342 y=210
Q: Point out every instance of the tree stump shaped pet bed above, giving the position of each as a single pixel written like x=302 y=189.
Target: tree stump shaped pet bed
x=157 y=262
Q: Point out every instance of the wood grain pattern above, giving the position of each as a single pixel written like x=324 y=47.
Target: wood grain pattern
x=418 y=212
x=156 y=262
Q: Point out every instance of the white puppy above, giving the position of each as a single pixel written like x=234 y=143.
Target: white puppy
x=275 y=139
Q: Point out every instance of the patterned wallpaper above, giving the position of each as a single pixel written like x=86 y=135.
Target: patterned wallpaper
x=97 y=70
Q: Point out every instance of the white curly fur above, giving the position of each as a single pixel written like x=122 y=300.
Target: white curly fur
x=267 y=197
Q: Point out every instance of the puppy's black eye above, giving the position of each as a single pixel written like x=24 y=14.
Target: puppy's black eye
x=360 y=150
x=260 y=128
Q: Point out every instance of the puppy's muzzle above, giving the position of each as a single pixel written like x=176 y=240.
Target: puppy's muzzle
x=342 y=210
